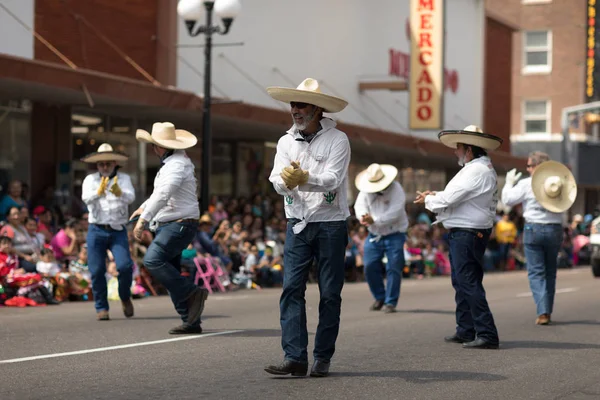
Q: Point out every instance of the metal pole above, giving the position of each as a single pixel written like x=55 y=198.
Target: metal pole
x=206 y=133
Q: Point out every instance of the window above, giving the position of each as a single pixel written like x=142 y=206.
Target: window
x=536 y=116
x=537 y=52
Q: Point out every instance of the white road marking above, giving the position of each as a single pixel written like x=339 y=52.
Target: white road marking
x=123 y=346
x=565 y=290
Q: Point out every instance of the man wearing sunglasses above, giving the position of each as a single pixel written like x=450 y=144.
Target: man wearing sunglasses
x=108 y=194
x=310 y=170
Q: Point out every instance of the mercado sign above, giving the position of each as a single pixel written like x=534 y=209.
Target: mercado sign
x=426 y=83
x=592 y=79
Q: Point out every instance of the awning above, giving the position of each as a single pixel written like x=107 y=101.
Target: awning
x=54 y=83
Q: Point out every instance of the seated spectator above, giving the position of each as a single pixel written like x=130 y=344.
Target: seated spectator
x=21 y=240
x=44 y=220
x=14 y=198
x=270 y=273
x=80 y=276
x=66 y=242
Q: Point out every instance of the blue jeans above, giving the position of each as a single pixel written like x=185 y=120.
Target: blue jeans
x=393 y=247
x=163 y=261
x=473 y=315
x=99 y=240
x=542 y=244
x=325 y=241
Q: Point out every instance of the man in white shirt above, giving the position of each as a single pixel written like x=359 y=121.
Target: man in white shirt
x=380 y=206
x=310 y=171
x=108 y=194
x=543 y=234
x=173 y=213
x=467 y=207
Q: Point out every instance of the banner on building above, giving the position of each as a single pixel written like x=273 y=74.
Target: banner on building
x=426 y=83
x=592 y=72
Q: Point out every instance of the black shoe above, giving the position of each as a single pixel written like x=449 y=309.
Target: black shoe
x=288 y=367
x=377 y=305
x=127 y=308
x=456 y=339
x=320 y=369
x=196 y=304
x=480 y=343
x=48 y=298
x=389 y=309
x=185 y=330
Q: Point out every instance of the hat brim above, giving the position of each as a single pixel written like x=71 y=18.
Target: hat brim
x=105 y=156
x=568 y=193
x=183 y=139
x=330 y=104
x=484 y=140
x=363 y=184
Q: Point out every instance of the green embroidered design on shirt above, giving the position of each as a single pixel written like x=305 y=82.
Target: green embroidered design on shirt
x=330 y=197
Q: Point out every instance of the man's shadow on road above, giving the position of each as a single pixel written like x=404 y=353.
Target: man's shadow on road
x=421 y=311
x=425 y=376
x=535 y=344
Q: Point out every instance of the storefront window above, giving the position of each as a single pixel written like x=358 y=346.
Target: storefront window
x=15 y=143
x=90 y=130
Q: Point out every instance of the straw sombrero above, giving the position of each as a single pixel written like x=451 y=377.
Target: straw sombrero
x=165 y=135
x=308 y=92
x=554 y=186
x=105 y=153
x=471 y=135
x=375 y=178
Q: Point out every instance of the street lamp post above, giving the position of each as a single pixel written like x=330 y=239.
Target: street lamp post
x=192 y=11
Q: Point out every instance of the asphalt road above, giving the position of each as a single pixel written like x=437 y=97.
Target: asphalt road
x=379 y=356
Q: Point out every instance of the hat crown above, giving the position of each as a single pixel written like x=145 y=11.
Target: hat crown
x=553 y=186
x=164 y=131
x=473 y=128
x=310 y=85
x=105 y=148
x=375 y=173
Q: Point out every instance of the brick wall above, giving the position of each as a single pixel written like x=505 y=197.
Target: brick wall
x=132 y=25
x=565 y=85
x=497 y=81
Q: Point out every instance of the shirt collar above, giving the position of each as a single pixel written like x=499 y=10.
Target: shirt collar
x=326 y=124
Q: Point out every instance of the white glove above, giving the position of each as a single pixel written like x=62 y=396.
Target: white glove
x=512 y=177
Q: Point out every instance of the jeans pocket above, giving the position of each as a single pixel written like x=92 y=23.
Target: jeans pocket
x=528 y=235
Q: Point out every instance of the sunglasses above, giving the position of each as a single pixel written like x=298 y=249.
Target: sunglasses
x=297 y=105
x=104 y=164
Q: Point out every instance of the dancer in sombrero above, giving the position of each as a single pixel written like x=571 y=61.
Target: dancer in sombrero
x=467 y=207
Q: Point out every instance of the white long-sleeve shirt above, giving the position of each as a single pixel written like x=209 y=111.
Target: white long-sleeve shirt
x=108 y=209
x=175 y=192
x=533 y=212
x=326 y=158
x=470 y=198
x=388 y=210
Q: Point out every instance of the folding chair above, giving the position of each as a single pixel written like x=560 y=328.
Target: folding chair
x=205 y=276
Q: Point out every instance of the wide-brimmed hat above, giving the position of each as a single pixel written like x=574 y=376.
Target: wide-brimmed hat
x=205 y=219
x=375 y=178
x=309 y=91
x=165 y=135
x=471 y=135
x=554 y=186
x=105 y=153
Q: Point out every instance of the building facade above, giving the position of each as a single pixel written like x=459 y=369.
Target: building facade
x=97 y=72
x=554 y=43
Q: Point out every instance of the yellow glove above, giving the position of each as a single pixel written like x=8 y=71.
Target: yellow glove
x=289 y=177
x=103 y=184
x=115 y=189
x=302 y=174
x=294 y=176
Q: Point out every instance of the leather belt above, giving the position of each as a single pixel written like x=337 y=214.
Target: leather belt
x=179 y=221
x=106 y=227
x=477 y=232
